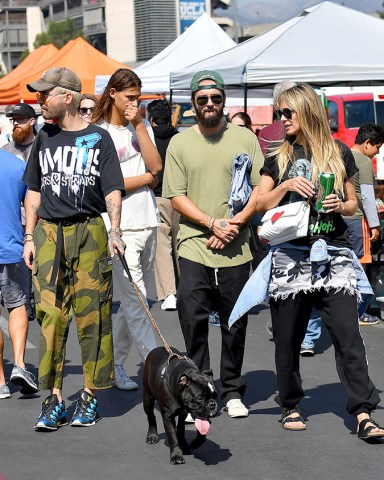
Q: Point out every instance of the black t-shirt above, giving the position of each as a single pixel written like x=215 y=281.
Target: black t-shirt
x=74 y=171
x=330 y=227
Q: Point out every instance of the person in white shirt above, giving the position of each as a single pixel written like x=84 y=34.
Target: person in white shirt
x=118 y=112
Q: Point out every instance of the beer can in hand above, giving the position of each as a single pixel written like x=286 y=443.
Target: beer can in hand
x=326 y=184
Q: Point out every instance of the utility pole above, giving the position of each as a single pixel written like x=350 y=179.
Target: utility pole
x=235 y=22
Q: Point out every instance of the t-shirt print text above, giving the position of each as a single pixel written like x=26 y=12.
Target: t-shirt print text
x=71 y=166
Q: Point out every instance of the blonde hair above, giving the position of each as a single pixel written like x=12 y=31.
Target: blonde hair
x=77 y=96
x=315 y=135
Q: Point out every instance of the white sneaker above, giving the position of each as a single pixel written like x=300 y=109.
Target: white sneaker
x=122 y=381
x=169 y=303
x=236 y=408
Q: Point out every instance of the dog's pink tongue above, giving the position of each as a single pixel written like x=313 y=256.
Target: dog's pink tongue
x=202 y=426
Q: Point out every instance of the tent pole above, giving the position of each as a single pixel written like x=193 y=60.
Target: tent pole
x=245 y=97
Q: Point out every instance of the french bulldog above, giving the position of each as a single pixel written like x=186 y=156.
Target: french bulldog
x=180 y=388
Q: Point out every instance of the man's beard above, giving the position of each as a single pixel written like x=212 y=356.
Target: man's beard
x=212 y=121
x=19 y=135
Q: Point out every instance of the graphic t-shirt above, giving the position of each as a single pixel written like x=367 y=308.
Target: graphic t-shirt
x=330 y=227
x=139 y=209
x=73 y=170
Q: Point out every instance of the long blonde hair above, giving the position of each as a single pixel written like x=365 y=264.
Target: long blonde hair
x=315 y=132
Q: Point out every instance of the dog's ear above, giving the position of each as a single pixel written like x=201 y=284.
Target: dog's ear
x=184 y=380
x=209 y=373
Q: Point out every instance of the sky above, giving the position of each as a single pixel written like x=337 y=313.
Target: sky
x=271 y=11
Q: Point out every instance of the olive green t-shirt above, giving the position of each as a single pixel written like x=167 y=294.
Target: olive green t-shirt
x=364 y=176
x=200 y=168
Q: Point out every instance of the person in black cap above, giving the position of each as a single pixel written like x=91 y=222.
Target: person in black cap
x=213 y=243
x=73 y=175
x=23 y=118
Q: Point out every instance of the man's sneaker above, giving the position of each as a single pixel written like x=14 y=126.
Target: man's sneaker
x=214 y=319
x=366 y=319
x=86 y=412
x=52 y=414
x=236 y=408
x=122 y=381
x=307 y=352
x=4 y=391
x=24 y=379
x=169 y=303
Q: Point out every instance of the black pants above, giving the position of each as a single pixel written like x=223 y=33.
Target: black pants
x=201 y=290
x=339 y=314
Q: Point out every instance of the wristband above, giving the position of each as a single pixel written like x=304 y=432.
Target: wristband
x=118 y=231
x=28 y=235
x=28 y=240
x=210 y=223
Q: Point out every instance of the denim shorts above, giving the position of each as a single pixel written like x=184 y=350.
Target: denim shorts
x=13 y=284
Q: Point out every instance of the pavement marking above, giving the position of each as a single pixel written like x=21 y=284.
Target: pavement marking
x=4 y=327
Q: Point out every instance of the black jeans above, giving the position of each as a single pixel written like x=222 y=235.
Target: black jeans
x=201 y=290
x=339 y=314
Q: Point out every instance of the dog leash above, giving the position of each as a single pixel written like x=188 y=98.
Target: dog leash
x=149 y=314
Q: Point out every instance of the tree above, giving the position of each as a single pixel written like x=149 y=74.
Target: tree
x=58 y=33
x=24 y=55
x=381 y=14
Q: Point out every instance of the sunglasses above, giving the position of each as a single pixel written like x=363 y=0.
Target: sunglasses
x=203 y=100
x=287 y=112
x=19 y=120
x=44 y=96
x=85 y=110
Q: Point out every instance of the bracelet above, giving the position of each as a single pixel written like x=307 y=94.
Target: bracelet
x=28 y=235
x=28 y=240
x=210 y=223
x=118 y=231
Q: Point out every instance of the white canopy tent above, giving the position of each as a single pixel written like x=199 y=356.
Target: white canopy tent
x=202 y=39
x=327 y=44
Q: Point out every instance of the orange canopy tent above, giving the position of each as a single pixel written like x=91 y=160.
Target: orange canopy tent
x=77 y=55
x=39 y=55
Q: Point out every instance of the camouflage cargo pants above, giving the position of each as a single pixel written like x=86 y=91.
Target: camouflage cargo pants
x=83 y=287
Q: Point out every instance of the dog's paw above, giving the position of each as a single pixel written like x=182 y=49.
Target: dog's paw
x=177 y=459
x=152 y=438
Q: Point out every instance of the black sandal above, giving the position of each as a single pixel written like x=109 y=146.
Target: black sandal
x=287 y=419
x=365 y=432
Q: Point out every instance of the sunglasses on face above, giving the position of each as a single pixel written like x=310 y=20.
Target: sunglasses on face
x=19 y=120
x=287 y=112
x=203 y=100
x=45 y=97
x=85 y=110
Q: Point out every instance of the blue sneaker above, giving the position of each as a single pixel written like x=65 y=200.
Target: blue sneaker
x=52 y=414
x=86 y=412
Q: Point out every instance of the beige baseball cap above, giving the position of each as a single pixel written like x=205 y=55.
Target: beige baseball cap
x=56 y=77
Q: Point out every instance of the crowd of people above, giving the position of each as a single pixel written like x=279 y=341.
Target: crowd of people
x=100 y=183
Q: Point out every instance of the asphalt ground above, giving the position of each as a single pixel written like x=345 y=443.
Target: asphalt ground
x=250 y=448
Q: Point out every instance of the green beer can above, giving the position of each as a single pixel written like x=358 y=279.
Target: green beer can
x=326 y=183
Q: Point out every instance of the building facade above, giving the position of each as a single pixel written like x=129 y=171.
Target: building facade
x=130 y=31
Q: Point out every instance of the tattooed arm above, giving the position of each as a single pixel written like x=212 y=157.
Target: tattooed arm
x=113 y=202
x=32 y=204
